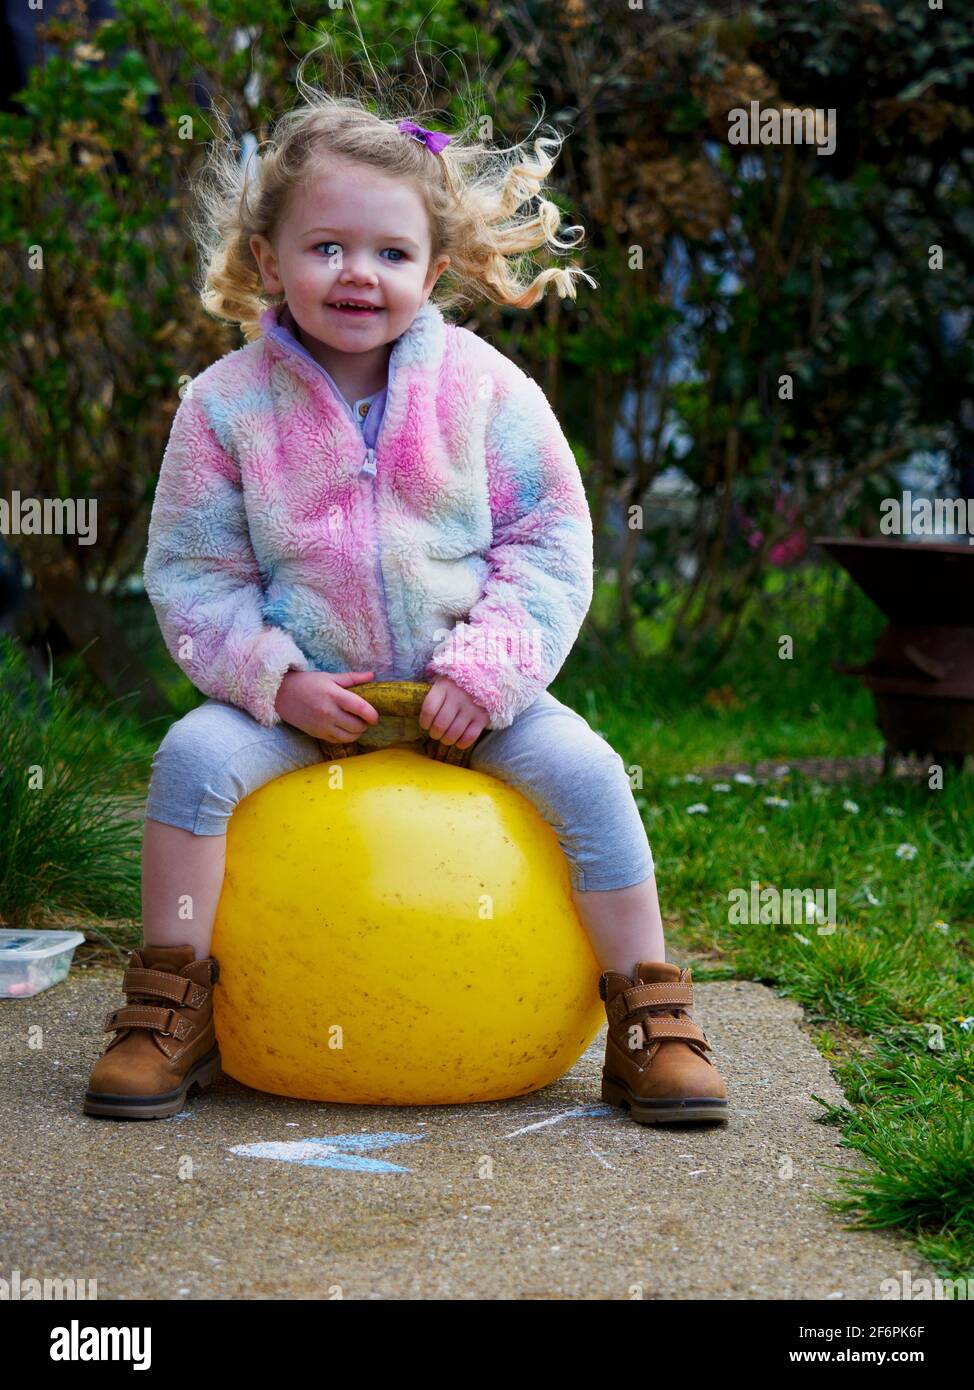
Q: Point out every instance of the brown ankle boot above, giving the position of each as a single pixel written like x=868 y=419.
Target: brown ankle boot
x=165 y=1042
x=655 y=1058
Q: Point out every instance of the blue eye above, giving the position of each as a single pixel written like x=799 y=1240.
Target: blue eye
x=394 y=249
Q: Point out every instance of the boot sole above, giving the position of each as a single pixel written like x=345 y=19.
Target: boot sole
x=202 y=1075
x=692 y=1110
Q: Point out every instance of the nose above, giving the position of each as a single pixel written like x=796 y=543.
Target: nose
x=357 y=270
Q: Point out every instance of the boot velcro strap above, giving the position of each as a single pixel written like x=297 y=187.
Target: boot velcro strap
x=165 y=1021
x=179 y=988
x=656 y=1029
x=668 y=993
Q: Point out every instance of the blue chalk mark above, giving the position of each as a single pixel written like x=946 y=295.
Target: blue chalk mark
x=332 y=1151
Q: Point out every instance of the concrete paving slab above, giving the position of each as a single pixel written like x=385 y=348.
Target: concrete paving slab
x=551 y=1196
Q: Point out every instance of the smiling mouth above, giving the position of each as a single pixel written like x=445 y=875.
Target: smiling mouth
x=361 y=309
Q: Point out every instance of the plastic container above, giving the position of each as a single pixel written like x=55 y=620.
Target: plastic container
x=34 y=960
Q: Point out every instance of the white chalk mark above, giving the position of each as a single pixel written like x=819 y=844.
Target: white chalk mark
x=595 y=1154
x=563 y=1115
x=331 y=1151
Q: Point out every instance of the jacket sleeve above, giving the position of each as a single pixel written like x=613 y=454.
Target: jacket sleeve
x=538 y=588
x=202 y=578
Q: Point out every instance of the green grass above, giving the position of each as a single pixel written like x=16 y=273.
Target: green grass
x=888 y=992
x=892 y=983
x=759 y=705
x=66 y=771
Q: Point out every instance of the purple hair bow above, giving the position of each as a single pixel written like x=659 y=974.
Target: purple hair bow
x=434 y=140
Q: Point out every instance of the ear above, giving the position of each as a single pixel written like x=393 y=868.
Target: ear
x=435 y=272
x=263 y=253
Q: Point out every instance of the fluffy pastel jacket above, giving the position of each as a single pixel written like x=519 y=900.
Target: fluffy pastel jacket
x=460 y=546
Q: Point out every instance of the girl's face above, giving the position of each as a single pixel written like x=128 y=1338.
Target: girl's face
x=355 y=233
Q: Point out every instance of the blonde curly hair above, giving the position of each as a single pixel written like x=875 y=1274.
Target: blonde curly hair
x=473 y=194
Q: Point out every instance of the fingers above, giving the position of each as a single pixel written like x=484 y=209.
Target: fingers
x=470 y=734
x=454 y=729
x=354 y=705
x=457 y=730
x=446 y=716
x=436 y=698
x=342 y=732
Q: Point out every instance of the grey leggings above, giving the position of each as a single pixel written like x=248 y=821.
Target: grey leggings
x=217 y=754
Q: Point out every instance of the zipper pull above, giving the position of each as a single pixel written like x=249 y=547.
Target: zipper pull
x=368 y=467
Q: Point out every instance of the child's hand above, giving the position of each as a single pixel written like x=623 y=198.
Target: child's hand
x=318 y=703
x=451 y=716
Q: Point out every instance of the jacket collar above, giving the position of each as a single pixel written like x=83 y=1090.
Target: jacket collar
x=420 y=347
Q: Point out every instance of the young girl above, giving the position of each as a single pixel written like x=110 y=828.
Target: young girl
x=367 y=491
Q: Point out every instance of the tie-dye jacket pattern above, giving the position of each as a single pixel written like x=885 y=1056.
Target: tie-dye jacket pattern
x=461 y=545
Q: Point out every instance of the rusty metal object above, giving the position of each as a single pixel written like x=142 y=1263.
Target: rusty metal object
x=922 y=672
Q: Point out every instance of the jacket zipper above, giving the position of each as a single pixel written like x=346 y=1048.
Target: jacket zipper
x=366 y=474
